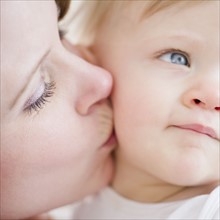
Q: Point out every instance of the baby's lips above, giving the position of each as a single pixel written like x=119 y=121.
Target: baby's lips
x=200 y=129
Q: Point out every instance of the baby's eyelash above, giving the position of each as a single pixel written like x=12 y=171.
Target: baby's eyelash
x=39 y=103
x=174 y=50
x=171 y=50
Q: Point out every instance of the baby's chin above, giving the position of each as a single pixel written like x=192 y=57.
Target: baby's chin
x=104 y=174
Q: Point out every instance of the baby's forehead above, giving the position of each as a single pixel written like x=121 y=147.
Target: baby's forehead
x=99 y=13
x=110 y=11
x=151 y=7
x=145 y=9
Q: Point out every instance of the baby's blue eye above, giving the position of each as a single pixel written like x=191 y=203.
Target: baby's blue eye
x=175 y=58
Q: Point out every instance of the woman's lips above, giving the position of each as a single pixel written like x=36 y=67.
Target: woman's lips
x=200 y=129
x=111 y=141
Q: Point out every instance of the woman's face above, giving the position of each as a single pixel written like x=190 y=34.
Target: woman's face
x=55 y=122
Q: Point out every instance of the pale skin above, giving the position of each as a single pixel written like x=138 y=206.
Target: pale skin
x=165 y=99
x=53 y=152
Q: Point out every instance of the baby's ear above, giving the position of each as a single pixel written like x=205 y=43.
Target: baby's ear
x=87 y=54
x=80 y=50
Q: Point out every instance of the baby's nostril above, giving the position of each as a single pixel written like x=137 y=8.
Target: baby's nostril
x=197 y=101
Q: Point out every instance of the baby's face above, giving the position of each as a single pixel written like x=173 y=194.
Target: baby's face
x=166 y=93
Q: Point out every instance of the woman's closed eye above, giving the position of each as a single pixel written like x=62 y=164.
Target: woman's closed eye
x=175 y=57
x=40 y=97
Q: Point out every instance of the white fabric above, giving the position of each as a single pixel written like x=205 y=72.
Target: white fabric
x=109 y=205
x=63 y=213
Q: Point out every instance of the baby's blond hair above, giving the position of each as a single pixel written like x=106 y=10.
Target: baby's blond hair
x=94 y=12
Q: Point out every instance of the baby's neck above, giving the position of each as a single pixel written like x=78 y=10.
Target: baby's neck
x=139 y=186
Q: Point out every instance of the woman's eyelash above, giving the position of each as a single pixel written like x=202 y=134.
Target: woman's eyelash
x=176 y=52
x=39 y=103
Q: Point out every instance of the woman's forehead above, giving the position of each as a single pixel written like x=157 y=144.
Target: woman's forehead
x=26 y=14
x=28 y=29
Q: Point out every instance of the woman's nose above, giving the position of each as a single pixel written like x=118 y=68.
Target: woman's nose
x=95 y=85
x=204 y=94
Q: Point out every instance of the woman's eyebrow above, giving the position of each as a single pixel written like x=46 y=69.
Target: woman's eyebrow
x=62 y=33
x=30 y=74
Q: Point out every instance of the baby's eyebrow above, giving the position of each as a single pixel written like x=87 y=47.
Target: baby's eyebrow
x=30 y=74
x=181 y=35
x=187 y=35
